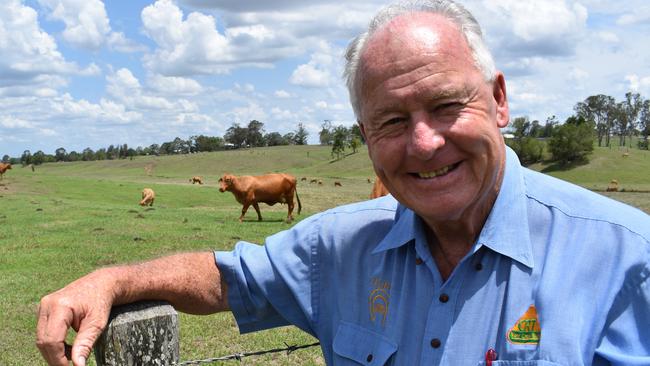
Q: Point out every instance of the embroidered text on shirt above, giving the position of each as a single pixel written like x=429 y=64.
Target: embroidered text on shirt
x=379 y=300
x=527 y=329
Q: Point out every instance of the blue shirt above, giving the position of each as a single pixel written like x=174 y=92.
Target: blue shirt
x=558 y=276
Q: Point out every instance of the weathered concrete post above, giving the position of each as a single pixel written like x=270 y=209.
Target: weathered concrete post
x=143 y=333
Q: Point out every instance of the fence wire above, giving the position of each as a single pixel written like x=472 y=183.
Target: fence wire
x=238 y=356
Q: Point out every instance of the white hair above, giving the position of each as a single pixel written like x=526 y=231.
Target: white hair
x=456 y=13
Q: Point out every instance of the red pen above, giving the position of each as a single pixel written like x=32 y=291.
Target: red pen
x=490 y=355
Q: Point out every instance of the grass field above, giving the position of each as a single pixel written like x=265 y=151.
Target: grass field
x=66 y=219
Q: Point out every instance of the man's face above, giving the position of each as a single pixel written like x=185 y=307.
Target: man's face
x=430 y=119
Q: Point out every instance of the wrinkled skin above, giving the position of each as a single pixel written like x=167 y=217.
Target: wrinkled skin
x=431 y=122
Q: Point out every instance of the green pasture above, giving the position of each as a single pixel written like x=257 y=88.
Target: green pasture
x=66 y=219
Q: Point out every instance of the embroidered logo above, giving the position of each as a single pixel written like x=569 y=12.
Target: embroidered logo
x=379 y=300
x=527 y=329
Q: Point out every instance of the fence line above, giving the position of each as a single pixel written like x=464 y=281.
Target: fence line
x=146 y=333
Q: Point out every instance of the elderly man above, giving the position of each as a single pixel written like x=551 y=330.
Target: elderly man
x=472 y=260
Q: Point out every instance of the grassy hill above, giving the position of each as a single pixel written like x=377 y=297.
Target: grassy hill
x=66 y=219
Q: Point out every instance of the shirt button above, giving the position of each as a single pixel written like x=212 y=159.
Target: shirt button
x=443 y=298
x=369 y=358
x=435 y=343
x=478 y=266
x=418 y=261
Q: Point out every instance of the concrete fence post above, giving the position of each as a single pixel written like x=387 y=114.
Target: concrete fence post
x=143 y=333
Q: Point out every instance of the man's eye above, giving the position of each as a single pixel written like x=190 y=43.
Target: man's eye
x=449 y=106
x=393 y=121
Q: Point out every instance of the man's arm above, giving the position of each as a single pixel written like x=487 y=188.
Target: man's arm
x=190 y=282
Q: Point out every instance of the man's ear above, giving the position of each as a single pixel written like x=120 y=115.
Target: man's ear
x=501 y=99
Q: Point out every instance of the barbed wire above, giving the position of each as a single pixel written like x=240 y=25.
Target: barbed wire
x=239 y=356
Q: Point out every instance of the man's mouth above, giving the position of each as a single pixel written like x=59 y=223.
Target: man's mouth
x=439 y=172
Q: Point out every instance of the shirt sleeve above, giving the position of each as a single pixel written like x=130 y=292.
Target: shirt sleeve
x=626 y=339
x=271 y=285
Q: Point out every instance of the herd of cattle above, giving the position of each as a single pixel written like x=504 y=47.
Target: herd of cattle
x=274 y=188
x=251 y=190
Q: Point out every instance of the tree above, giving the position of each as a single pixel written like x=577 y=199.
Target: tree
x=325 y=135
x=600 y=110
x=205 y=143
x=290 y=138
x=339 y=136
x=644 y=124
x=355 y=131
x=551 y=122
x=60 y=154
x=73 y=156
x=87 y=154
x=528 y=148
x=354 y=143
x=631 y=109
x=275 y=139
x=38 y=158
x=26 y=158
x=300 y=135
x=236 y=135
x=255 y=134
x=571 y=142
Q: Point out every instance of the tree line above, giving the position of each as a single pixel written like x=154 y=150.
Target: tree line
x=236 y=137
x=598 y=118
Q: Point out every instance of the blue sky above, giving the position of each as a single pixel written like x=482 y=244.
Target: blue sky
x=88 y=73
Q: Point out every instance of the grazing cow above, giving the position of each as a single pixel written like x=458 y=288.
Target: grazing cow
x=313 y=181
x=378 y=189
x=369 y=181
x=337 y=184
x=148 y=196
x=269 y=188
x=612 y=186
x=196 y=179
x=320 y=182
x=3 y=168
x=303 y=179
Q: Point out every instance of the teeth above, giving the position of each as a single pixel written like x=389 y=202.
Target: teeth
x=435 y=173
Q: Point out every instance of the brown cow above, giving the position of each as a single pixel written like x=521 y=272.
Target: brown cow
x=196 y=179
x=337 y=184
x=378 y=189
x=3 y=168
x=269 y=188
x=148 y=195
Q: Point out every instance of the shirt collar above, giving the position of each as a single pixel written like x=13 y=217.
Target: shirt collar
x=505 y=231
x=506 y=228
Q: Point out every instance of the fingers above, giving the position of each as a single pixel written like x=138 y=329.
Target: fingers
x=51 y=331
x=88 y=333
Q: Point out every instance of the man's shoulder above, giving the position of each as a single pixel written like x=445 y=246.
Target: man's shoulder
x=581 y=203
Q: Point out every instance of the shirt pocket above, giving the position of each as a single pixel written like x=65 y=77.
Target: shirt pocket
x=355 y=345
x=521 y=363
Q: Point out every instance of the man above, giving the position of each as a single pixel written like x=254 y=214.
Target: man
x=473 y=259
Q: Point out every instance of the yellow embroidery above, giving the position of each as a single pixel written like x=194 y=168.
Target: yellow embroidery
x=379 y=300
x=527 y=329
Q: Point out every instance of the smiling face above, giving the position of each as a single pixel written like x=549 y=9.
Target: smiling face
x=430 y=119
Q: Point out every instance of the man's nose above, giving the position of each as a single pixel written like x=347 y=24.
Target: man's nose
x=425 y=137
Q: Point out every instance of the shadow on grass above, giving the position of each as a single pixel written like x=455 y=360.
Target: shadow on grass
x=564 y=166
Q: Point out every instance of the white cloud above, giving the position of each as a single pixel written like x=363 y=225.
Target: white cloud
x=118 y=42
x=12 y=122
x=321 y=104
x=86 y=22
x=318 y=72
x=175 y=85
x=638 y=84
x=243 y=115
x=640 y=16
x=30 y=58
x=608 y=37
x=282 y=94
